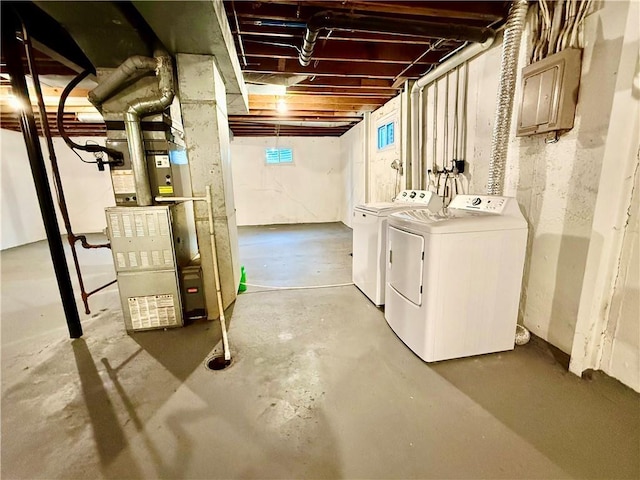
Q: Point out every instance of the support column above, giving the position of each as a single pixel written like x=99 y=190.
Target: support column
x=204 y=114
x=11 y=49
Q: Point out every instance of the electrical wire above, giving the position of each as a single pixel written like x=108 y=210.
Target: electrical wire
x=117 y=156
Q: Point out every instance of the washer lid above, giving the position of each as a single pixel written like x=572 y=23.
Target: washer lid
x=455 y=221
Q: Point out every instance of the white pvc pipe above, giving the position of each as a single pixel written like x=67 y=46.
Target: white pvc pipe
x=214 y=255
x=446 y=66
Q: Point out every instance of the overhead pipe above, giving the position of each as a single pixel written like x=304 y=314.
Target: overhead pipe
x=442 y=69
x=130 y=70
x=506 y=91
x=29 y=129
x=343 y=21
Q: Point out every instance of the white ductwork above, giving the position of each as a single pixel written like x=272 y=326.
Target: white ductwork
x=442 y=69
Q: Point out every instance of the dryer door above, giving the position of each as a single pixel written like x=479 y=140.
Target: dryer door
x=405 y=264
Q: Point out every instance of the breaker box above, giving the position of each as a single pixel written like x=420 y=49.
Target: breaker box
x=550 y=93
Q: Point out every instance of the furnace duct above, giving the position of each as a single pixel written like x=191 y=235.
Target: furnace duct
x=506 y=91
x=130 y=70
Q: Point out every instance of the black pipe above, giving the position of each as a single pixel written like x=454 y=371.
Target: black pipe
x=15 y=69
x=342 y=21
x=53 y=159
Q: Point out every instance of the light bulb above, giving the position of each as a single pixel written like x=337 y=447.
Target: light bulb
x=281 y=106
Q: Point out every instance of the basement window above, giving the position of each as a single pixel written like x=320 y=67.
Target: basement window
x=386 y=135
x=278 y=156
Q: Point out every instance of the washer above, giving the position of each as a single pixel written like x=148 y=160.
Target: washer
x=454 y=278
x=370 y=237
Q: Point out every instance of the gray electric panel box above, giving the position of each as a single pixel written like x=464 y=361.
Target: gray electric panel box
x=550 y=93
x=145 y=261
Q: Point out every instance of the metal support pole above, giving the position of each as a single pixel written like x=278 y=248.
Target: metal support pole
x=15 y=68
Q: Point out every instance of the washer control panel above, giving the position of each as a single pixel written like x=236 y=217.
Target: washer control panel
x=480 y=203
x=422 y=197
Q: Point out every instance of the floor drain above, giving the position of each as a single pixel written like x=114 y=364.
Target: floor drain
x=218 y=363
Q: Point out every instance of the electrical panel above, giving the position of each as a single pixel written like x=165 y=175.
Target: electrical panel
x=550 y=93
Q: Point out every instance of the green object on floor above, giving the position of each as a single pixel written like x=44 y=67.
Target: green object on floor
x=243 y=280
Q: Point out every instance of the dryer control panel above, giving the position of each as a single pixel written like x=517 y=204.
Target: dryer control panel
x=480 y=203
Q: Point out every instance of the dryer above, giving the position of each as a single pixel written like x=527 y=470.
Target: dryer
x=453 y=278
x=370 y=238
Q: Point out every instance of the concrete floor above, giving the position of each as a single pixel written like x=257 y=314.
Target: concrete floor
x=320 y=387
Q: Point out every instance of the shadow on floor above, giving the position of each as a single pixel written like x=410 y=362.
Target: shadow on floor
x=530 y=391
x=110 y=440
x=182 y=350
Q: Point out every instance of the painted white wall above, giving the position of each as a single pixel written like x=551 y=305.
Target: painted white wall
x=555 y=184
x=607 y=333
x=310 y=190
x=352 y=155
x=621 y=351
x=558 y=185
x=87 y=191
x=385 y=182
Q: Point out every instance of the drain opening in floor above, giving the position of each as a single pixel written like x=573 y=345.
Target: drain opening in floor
x=218 y=363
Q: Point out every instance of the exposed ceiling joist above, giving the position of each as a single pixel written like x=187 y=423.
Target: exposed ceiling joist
x=350 y=72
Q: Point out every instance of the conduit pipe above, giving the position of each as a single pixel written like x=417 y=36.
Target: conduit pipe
x=442 y=69
x=130 y=70
x=506 y=91
x=342 y=21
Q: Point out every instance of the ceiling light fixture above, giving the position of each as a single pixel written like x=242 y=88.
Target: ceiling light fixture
x=281 y=106
x=14 y=102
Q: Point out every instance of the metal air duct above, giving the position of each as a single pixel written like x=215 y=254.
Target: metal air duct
x=506 y=91
x=129 y=70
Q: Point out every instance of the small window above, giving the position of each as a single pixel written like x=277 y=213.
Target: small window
x=386 y=135
x=276 y=156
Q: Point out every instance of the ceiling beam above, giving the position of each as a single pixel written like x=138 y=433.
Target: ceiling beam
x=310 y=114
x=468 y=10
x=332 y=68
x=337 y=50
x=294 y=35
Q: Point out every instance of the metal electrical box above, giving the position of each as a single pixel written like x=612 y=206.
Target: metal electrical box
x=550 y=93
x=145 y=262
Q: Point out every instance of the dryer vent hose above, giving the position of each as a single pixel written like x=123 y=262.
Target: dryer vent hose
x=522 y=335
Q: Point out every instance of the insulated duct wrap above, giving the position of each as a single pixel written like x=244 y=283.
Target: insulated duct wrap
x=506 y=91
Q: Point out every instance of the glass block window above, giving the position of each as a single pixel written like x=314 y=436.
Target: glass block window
x=386 y=135
x=276 y=156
